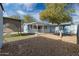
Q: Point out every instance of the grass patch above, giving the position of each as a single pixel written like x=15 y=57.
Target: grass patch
x=16 y=34
x=16 y=37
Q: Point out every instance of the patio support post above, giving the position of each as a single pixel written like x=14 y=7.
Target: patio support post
x=48 y=28
x=43 y=28
x=28 y=28
x=32 y=28
x=37 y=27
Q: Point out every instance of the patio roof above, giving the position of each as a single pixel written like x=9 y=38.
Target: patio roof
x=66 y=24
x=45 y=23
x=40 y=23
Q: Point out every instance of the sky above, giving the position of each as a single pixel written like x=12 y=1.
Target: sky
x=19 y=9
x=33 y=9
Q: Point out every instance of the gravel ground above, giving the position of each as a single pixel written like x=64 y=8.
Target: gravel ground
x=39 y=46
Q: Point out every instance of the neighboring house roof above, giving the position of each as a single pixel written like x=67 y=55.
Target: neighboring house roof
x=1 y=6
x=11 y=18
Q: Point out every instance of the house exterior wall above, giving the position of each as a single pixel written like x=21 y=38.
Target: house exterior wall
x=25 y=28
x=52 y=29
x=74 y=29
x=1 y=27
x=70 y=29
x=30 y=28
x=48 y=28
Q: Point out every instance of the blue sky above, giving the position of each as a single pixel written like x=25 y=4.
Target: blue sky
x=23 y=9
x=33 y=9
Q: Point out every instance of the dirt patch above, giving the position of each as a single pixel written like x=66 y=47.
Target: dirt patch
x=39 y=46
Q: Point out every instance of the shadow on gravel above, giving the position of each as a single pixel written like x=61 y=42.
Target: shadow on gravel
x=39 y=46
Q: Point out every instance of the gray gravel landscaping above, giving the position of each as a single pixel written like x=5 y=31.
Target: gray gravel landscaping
x=39 y=46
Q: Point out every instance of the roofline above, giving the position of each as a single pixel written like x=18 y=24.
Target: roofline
x=68 y=23
x=12 y=18
x=39 y=22
x=1 y=6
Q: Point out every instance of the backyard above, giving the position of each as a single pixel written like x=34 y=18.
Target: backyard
x=39 y=45
x=47 y=20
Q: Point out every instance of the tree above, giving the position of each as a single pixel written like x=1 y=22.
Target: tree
x=56 y=13
x=28 y=18
x=15 y=17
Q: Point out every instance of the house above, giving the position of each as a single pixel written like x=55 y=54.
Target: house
x=1 y=25
x=11 y=25
x=42 y=27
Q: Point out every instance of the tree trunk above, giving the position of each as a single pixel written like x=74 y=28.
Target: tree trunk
x=60 y=31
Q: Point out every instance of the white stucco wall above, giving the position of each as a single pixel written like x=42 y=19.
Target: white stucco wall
x=73 y=29
x=25 y=29
x=57 y=29
x=1 y=27
x=52 y=29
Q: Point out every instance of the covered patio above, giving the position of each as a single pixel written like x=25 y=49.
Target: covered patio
x=40 y=27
